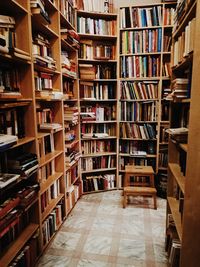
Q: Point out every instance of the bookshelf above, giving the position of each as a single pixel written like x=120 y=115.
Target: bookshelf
x=144 y=59
x=20 y=223
x=182 y=193
x=97 y=29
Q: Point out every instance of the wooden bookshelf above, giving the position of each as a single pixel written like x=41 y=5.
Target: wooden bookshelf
x=183 y=168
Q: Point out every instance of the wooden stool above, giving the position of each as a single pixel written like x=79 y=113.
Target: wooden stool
x=139 y=188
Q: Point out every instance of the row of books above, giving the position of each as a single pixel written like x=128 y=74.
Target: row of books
x=43 y=81
x=29 y=253
x=102 y=130
x=139 y=90
x=131 y=17
x=98 y=146
x=45 y=171
x=51 y=193
x=71 y=114
x=46 y=145
x=68 y=11
x=144 y=41
x=9 y=80
x=71 y=37
x=45 y=119
x=142 y=161
x=100 y=182
x=168 y=16
x=92 y=50
x=98 y=113
x=71 y=157
x=139 y=66
x=179 y=13
x=137 y=148
x=12 y=122
x=132 y=130
x=163 y=157
x=97 y=91
x=68 y=66
x=52 y=223
x=68 y=88
x=163 y=135
x=91 y=72
x=96 y=26
x=102 y=6
x=136 y=111
x=15 y=215
x=94 y=163
x=38 y=7
x=172 y=242
x=42 y=52
x=166 y=69
x=185 y=43
x=73 y=194
x=71 y=175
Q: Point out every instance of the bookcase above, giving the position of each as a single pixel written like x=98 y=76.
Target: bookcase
x=144 y=83
x=39 y=133
x=97 y=29
x=182 y=236
x=19 y=189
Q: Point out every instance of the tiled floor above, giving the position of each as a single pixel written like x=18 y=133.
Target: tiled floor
x=100 y=233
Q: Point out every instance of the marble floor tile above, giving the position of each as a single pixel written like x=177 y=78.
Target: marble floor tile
x=98 y=245
x=132 y=249
x=76 y=221
x=52 y=261
x=65 y=240
x=91 y=263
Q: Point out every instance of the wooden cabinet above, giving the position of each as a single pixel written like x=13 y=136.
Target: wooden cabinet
x=183 y=168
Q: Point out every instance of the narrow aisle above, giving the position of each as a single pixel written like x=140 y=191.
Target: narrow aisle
x=100 y=233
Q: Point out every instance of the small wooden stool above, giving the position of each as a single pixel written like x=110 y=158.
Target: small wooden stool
x=141 y=188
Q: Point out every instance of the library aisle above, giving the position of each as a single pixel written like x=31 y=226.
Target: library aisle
x=100 y=233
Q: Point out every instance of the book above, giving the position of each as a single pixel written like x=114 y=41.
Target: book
x=7 y=178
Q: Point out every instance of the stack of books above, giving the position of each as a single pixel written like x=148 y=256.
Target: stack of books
x=7 y=141
x=68 y=65
x=71 y=37
x=38 y=7
x=25 y=164
x=71 y=114
x=7 y=179
x=180 y=88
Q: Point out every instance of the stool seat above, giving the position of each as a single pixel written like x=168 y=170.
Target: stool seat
x=142 y=190
x=139 y=190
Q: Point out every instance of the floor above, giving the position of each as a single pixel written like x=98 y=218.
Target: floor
x=100 y=233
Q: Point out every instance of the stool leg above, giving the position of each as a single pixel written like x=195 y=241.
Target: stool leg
x=155 y=201
x=124 y=200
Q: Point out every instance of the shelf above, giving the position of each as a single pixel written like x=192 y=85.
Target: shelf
x=71 y=144
x=99 y=154
x=141 y=54
x=139 y=100
x=97 y=37
x=49 y=157
x=51 y=206
x=184 y=64
x=100 y=170
x=50 y=6
x=98 y=138
x=65 y=22
x=37 y=26
x=23 y=141
x=188 y=15
x=136 y=139
x=45 y=69
x=136 y=156
x=184 y=147
x=96 y=14
x=18 y=244
x=140 y=79
x=67 y=46
x=162 y=168
x=17 y=103
x=98 y=100
x=140 y=121
x=140 y=28
x=99 y=191
x=180 y=179
x=50 y=180
x=99 y=80
x=98 y=122
x=96 y=61
x=13 y=7
x=174 y=207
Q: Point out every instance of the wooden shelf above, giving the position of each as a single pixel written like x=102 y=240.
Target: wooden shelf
x=180 y=179
x=136 y=156
x=184 y=64
x=136 y=139
x=97 y=122
x=139 y=100
x=18 y=244
x=44 y=185
x=100 y=170
x=67 y=46
x=140 y=79
x=184 y=147
x=98 y=100
x=65 y=22
x=49 y=157
x=23 y=141
x=98 y=138
x=140 y=28
x=97 y=37
x=186 y=17
x=98 y=154
x=71 y=144
x=51 y=206
x=141 y=54
x=83 y=13
x=14 y=7
x=174 y=207
x=96 y=61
